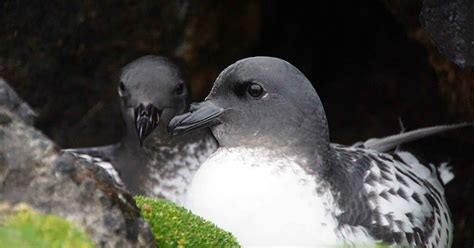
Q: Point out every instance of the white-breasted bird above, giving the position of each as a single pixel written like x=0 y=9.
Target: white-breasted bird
x=276 y=180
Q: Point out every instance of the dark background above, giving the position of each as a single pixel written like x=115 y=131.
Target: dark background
x=372 y=62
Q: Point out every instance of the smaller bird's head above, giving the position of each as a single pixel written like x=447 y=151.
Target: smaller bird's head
x=152 y=91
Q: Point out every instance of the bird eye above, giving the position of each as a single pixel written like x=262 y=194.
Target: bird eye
x=122 y=86
x=255 y=89
x=180 y=89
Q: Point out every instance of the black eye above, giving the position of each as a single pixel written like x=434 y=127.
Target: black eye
x=180 y=89
x=255 y=90
x=122 y=86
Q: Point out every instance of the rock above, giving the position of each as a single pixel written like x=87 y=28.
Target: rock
x=449 y=24
x=64 y=59
x=33 y=171
x=12 y=101
x=444 y=28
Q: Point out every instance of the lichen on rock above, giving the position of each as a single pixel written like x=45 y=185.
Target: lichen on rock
x=22 y=226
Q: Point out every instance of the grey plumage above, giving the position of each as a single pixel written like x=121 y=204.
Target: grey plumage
x=148 y=160
x=266 y=107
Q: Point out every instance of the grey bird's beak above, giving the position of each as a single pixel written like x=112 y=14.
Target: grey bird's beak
x=146 y=119
x=200 y=115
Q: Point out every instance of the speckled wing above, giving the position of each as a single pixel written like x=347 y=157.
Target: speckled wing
x=393 y=197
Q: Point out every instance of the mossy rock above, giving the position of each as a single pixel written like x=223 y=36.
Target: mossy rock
x=27 y=228
x=174 y=226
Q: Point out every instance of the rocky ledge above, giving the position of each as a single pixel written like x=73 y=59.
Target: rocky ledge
x=35 y=172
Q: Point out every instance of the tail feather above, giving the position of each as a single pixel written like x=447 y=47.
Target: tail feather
x=390 y=142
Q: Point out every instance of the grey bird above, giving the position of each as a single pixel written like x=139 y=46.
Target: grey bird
x=276 y=180
x=148 y=160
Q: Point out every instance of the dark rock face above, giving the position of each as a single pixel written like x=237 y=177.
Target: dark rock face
x=448 y=35
x=444 y=29
x=33 y=171
x=12 y=101
x=450 y=26
x=63 y=58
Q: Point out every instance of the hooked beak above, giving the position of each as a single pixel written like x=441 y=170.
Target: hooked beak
x=200 y=115
x=146 y=119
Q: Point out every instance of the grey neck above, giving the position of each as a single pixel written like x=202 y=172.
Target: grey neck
x=159 y=137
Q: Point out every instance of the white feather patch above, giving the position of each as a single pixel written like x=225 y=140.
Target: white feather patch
x=445 y=173
x=263 y=200
x=405 y=205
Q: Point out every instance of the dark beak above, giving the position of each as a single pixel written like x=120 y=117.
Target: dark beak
x=200 y=115
x=146 y=119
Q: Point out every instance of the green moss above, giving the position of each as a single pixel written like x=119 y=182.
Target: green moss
x=27 y=228
x=174 y=226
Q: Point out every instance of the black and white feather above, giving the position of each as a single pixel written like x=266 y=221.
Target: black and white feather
x=159 y=170
x=277 y=180
x=148 y=160
x=394 y=197
x=100 y=157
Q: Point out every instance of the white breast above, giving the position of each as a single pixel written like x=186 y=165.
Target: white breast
x=171 y=175
x=262 y=199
